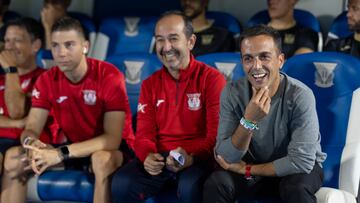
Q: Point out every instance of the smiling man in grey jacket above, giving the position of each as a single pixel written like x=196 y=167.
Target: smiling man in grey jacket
x=268 y=140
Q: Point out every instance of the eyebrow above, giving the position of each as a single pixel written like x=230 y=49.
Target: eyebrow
x=261 y=53
x=170 y=35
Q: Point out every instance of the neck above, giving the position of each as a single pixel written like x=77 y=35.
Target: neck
x=283 y=23
x=25 y=69
x=79 y=72
x=273 y=89
x=357 y=36
x=200 y=22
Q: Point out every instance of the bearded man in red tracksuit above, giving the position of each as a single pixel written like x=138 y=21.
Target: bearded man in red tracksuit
x=178 y=111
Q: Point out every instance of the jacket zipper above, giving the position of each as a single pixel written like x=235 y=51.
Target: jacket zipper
x=177 y=92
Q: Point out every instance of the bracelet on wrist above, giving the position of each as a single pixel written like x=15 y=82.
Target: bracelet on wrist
x=28 y=140
x=247 y=174
x=248 y=125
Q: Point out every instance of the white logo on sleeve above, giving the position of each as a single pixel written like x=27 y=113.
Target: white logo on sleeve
x=194 y=101
x=35 y=93
x=1 y=111
x=61 y=99
x=159 y=101
x=141 y=108
x=25 y=84
x=89 y=97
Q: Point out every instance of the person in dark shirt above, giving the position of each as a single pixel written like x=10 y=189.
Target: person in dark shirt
x=349 y=44
x=210 y=38
x=296 y=38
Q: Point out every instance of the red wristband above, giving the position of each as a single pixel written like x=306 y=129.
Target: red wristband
x=248 y=171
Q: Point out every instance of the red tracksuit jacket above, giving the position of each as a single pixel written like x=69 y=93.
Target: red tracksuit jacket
x=179 y=113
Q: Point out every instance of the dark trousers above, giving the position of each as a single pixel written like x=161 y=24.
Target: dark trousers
x=131 y=183
x=224 y=186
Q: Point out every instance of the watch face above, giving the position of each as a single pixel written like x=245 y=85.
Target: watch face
x=10 y=70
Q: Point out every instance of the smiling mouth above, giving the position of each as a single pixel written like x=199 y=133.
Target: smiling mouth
x=259 y=76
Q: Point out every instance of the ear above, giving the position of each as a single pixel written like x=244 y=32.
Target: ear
x=36 y=46
x=281 y=58
x=191 y=42
x=86 y=46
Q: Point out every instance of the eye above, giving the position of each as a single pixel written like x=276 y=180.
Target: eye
x=54 y=45
x=173 y=39
x=246 y=59
x=158 y=40
x=69 y=44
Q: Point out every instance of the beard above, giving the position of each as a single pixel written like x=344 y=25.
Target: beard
x=355 y=27
x=194 y=14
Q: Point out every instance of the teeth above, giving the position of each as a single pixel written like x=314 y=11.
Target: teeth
x=259 y=75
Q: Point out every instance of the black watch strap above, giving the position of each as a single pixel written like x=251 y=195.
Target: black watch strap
x=64 y=152
x=11 y=69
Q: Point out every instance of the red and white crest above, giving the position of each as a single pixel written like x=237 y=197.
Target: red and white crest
x=194 y=101
x=89 y=97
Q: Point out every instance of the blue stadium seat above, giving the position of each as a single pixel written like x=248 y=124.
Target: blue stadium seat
x=124 y=35
x=44 y=59
x=304 y=18
x=339 y=27
x=334 y=79
x=89 y=28
x=229 y=64
x=136 y=68
x=225 y=20
x=68 y=186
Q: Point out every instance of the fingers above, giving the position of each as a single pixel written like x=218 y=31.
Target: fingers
x=172 y=165
x=222 y=162
x=26 y=146
x=154 y=163
x=159 y=157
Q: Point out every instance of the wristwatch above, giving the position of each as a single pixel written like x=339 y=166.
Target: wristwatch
x=64 y=152
x=11 y=69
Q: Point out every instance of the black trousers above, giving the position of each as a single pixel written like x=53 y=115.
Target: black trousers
x=224 y=186
x=131 y=183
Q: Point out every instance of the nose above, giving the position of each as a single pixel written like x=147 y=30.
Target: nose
x=60 y=51
x=257 y=63
x=349 y=13
x=9 y=45
x=167 y=45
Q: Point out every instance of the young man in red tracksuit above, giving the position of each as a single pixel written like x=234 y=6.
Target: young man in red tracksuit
x=178 y=111
x=89 y=102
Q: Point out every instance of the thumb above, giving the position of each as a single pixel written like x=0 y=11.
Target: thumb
x=254 y=92
x=158 y=157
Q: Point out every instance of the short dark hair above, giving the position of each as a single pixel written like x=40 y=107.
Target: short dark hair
x=67 y=24
x=63 y=3
x=262 y=30
x=188 y=28
x=32 y=26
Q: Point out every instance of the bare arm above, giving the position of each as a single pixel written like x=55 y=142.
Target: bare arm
x=6 y=122
x=15 y=98
x=110 y=140
x=35 y=123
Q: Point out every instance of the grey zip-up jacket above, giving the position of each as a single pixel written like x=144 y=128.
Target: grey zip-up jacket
x=288 y=136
